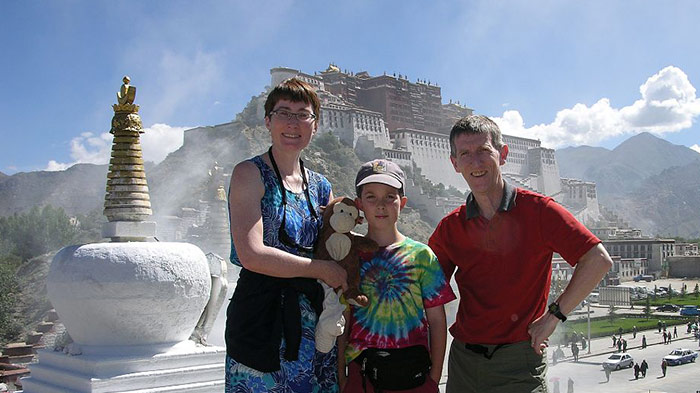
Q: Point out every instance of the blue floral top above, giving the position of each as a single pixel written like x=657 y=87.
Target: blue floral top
x=300 y=225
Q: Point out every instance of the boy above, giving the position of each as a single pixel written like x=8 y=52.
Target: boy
x=403 y=280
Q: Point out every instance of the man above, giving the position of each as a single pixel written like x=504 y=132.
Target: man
x=574 y=351
x=663 y=366
x=501 y=243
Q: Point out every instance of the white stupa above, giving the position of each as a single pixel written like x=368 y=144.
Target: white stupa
x=131 y=304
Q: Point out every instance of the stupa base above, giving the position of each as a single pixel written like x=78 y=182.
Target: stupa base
x=184 y=367
x=129 y=230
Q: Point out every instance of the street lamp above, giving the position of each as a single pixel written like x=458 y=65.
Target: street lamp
x=588 y=317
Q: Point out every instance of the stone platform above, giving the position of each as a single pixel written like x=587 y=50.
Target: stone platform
x=183 y=368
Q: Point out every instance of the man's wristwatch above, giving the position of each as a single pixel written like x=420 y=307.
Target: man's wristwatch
x=556 y=311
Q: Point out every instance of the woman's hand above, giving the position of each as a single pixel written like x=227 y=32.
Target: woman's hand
x=332 y=274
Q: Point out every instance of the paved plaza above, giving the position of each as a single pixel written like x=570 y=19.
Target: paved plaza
x=588 y=375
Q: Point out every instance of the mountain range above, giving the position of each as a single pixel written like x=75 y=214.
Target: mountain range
x=624 y=168
x=79 y=189
x=648 y=181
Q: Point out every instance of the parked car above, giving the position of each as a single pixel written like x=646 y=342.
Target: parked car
x=644 y=277
x=680 y=356
x=668 y=308
x=690 y=310
x=594 y=297
x=617 y=361
x=643 y=290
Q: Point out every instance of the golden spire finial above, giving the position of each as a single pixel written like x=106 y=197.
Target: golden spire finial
x=125 y=97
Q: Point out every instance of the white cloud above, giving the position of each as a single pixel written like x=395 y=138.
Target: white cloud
x=54 y=166
x=696 y=147
x=157 y=142
x=668 y=104
x=85 y=149
x=160 y=140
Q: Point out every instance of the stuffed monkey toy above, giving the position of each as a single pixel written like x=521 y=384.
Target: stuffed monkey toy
x=337 y=243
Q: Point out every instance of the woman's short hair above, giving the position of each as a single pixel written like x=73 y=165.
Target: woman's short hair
x=475 y=124
x=294 y=90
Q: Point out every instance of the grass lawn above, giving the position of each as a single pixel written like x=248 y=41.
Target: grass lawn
x=602 y=327
x=688 y=300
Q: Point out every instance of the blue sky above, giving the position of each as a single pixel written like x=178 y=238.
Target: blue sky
x=567 y=72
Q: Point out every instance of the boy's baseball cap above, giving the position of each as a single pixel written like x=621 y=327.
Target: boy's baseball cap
x=380 y=171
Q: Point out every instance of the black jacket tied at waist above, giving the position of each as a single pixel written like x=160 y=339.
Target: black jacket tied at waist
x=264 y=309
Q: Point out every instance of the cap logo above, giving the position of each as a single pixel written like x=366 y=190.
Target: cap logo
x=378 y=167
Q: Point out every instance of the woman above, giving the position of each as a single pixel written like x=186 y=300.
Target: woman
x=275 y=218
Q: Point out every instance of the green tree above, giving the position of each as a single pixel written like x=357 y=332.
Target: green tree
x=38 y=231
x=683 y=290
x=612 y=313
x=696 y=291
x=10 y=328
x=90 y=225
x=647 y=308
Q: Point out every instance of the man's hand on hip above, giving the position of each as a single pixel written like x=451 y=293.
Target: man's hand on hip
x=540 y=330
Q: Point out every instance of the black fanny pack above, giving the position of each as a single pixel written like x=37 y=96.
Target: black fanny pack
x=396 y=368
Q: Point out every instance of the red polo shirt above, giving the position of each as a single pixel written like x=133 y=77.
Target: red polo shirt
x=504 y=265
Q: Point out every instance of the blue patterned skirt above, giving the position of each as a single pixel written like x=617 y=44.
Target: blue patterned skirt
x=312 y=372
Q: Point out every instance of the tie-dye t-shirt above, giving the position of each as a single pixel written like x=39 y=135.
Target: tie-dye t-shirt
x=401 y=281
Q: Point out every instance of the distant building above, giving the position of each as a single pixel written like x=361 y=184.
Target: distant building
x=627 y=268
x=351 y=123
x=581 y=198
x=279 y=74
x=430 y=152
x=655 y=251
x=684 y=266
x=561 y=270
x=686 y=249
x=617 y=233
x=451 y=113
x=403 y=104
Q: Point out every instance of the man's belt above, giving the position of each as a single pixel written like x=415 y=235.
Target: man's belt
x=483 y=350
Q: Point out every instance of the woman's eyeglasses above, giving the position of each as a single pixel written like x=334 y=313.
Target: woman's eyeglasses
x=282 y=234
x=284 y=114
